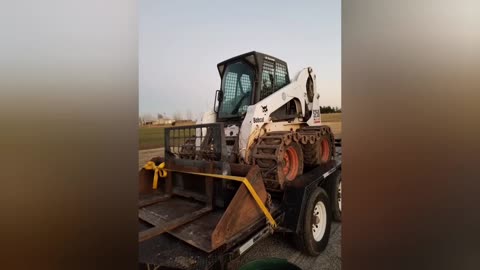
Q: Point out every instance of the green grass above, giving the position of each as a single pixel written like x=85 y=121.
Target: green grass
x=154 y=136
x=151 y=137
x=331 y=117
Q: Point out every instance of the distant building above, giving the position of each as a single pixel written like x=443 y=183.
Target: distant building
x=148 y=120
x=164 y=121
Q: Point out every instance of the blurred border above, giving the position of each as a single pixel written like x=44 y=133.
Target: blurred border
x=69 y=106
x=69 y=142
x=410 y=102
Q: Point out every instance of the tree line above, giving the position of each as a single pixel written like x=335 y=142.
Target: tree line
x=330 y=109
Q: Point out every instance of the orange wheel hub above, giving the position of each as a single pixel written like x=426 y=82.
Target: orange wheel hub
x=291 y=163
x=325 y=150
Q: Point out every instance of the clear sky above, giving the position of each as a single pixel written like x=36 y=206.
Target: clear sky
x=181 y=42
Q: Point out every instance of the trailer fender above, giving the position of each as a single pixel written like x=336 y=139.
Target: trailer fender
x=297 y=192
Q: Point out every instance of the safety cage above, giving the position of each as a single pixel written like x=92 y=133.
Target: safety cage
x=196 y=142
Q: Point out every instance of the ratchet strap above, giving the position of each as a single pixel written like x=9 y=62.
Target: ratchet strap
x=162 y=172
x=158 y=171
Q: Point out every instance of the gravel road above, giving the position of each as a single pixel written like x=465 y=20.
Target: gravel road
x=280 y=246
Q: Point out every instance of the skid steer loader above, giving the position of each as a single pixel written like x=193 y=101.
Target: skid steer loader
x=233 y=169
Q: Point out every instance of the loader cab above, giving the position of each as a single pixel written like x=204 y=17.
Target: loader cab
x=245 y=80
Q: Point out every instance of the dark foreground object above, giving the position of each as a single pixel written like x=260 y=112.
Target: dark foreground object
x=270 y=264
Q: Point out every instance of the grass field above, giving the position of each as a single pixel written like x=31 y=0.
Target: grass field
x=332 y=117
x=334 y=120
x=153 y=136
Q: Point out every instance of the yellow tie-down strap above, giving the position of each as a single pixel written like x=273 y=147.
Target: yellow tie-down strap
x=162 y=172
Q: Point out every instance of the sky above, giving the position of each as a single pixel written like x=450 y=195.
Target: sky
x=181 y=43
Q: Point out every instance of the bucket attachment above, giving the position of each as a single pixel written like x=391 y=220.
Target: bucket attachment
x=202 y=210
x=242 y=210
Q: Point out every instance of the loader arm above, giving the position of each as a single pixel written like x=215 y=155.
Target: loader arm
x=259 y=114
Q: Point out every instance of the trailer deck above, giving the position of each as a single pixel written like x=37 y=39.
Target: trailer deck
x=185 y=248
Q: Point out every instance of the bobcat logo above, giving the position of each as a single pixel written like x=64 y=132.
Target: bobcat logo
x=258 y=120
x=264 y=108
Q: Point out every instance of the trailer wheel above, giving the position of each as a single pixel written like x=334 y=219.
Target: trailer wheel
x=335 y=193
x=315 y=228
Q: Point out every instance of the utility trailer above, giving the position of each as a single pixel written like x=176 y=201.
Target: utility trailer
x=261 y=161
x=182 y=229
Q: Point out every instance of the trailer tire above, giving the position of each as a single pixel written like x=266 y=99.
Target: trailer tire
x=334 y=187
x=313 y=240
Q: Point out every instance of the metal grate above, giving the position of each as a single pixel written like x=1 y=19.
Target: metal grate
x=281 y=76
x=198 y=142
x=230 y=91
x=237 y=86
x=274 y=77
x=245 y=83
x=267 y=79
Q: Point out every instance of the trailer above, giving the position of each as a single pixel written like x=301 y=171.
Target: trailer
x=189 y=240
